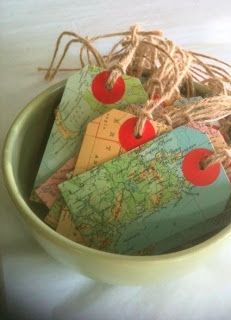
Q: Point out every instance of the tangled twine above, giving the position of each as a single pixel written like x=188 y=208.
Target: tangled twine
x=204 y=111
x=144 y=54
x=164 y=69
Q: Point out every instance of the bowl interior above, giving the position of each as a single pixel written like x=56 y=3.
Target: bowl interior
x=30 y=137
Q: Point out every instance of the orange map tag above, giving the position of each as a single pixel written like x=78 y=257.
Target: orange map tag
x=110 y=135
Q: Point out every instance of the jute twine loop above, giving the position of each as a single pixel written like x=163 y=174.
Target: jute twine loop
x=163 y=67
x=187 y=116
x=222 y=156
x=77 y=39
x=149 y=56
x=168 y=120
x=225 y=128
x=205 y=111
x=171 y=85
x=121 y=66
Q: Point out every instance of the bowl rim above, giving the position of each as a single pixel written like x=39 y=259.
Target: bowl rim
x=61 y=240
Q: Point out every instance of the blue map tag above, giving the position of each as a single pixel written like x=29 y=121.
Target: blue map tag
x=131 y=203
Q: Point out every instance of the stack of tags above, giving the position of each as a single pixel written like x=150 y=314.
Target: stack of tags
x=85 y=97
x=109 y=190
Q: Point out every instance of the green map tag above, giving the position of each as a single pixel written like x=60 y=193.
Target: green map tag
x=85 y=97
x=194 y=235
x=131 y=203
x=52 y=218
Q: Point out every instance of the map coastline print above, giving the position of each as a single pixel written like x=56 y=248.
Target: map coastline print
x=78 y=106
x=103 y=134
x=132 y=202
x=100 y=143
x=194 y=235
x=48 y=191
x=101 y=140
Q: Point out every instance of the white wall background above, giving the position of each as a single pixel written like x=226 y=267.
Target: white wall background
x=33 y=285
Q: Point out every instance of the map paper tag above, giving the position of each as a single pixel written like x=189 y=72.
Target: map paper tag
x=110 y=135
x=101 y=143
x=48 y=191
x=193 y=235
x=149 y=194
x=67 y=228
x=53 y=216
x=204 y=229
x=85 y=97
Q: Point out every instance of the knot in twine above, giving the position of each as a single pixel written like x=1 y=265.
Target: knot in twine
x=222 y=156
x=169 y=79
x=121 y=66
x=204 y=111
x=144 y=54
x=163 y=67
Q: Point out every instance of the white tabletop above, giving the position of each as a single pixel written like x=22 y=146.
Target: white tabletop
x=34 y=286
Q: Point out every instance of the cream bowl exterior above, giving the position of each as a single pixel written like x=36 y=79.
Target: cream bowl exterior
x=23 y=148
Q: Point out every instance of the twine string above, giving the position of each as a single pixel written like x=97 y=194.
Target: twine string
x=121 y=66
x=206 y=110
x=164 y=67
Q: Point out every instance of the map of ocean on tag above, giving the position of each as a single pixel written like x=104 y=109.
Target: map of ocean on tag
x=132 y=202
x=195 y=234
x=77 y=107
x=48 y=191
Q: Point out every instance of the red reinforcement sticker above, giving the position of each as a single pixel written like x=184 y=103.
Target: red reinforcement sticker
x=102 y=93
x=194 y=173
x=127 y=138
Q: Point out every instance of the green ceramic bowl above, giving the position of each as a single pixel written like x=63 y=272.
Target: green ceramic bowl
x=24 y=147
